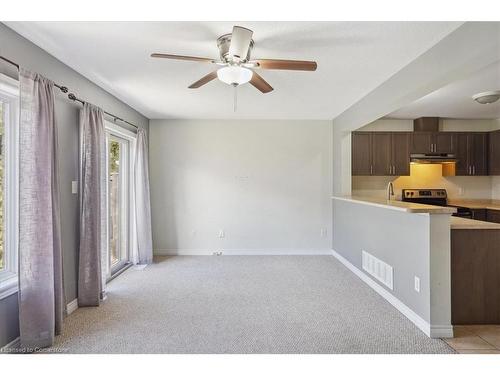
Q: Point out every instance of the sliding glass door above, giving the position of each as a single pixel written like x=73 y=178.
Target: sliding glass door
x=118 y=171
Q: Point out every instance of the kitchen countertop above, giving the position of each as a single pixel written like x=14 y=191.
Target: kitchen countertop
x=463 y=223
x=491 y=204
x=398 y=205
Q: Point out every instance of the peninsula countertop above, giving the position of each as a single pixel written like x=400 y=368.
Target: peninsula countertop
x=463 y=223
x=398 y=205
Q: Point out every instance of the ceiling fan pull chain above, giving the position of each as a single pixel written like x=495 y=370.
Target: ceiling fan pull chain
x=235 y=103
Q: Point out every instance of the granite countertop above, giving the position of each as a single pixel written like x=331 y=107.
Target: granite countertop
x=463 y=223
x=491 y=204
x=398 y=205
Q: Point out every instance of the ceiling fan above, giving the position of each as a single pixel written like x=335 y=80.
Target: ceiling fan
x=235 y=66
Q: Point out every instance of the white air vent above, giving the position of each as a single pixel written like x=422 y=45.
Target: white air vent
x=378 y=269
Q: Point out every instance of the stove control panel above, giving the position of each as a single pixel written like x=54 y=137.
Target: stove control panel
x=424 y=193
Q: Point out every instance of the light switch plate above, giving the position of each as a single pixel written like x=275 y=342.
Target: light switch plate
x=74 y=187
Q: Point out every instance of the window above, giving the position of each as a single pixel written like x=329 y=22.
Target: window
x=9 y=104
x=119 y=155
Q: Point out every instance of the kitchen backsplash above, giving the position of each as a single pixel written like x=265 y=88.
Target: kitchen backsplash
x=429 y=176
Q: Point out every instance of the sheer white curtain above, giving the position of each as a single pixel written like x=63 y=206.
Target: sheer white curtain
x=142 y=200
x=92 y=260
x=41 y=295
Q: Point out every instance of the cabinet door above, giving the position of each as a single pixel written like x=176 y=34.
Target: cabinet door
x=478 y=153
x=381 y=153
x=443 y=142
x=421 y=142
x=494 y=154
x=461 y=152
x=479 y=214
x=493 y=216
x=361 y=154
x=401 y=153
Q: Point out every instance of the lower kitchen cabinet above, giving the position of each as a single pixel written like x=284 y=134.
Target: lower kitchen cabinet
x=479 y=214
x=493 y=216
x=475 y=270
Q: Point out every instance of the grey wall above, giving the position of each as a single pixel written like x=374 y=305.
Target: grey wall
x=266 y=183
x=413 y=244
x=25 y=53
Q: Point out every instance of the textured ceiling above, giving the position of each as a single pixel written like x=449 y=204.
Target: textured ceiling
x=353 y=59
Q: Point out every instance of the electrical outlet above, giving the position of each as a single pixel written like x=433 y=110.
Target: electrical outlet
x=417 y=284
x=461 y=191
x=221 y=234
x=74 y=187
x=323 y=232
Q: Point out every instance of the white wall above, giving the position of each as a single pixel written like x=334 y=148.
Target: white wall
x=430 y=176
x=267 y=184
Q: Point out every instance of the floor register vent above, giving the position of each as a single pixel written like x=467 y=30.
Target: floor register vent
x=378 y=269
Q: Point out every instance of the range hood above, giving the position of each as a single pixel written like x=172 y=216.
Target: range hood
x=433 y=158
x=430 y=124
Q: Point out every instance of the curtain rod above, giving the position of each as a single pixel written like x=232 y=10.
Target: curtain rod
x=72 y=96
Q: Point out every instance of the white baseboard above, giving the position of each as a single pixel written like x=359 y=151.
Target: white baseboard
x=72 y=306
x=11 y=345
x=422 y=324
x=165 y=252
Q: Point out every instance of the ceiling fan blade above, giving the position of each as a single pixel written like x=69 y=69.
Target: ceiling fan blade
x=209 y=77
x=181 y=57
x=240 y=42
x=286 y=64
x=259 y=83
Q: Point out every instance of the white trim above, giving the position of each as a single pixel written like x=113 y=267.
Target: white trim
x=165 y=252
x=72 y=306
x=9 y=94
x=13 y=344
x=9 y=287
x=422 y=324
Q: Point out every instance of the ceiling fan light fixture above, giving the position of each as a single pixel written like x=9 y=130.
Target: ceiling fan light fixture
x=487 y=97
x=234 y=75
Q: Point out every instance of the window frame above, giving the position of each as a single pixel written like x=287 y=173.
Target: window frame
x=117 y=132
x=9 y=95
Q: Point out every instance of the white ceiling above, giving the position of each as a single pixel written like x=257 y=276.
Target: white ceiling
x=353 y=59
x=455 y=99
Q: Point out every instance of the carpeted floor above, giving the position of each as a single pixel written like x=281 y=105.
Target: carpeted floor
x=243 y=304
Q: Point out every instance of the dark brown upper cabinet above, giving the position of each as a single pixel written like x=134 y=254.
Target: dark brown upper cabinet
x=361 y=155
x=494 y=154
x=380 y=154
x=471 y=150
x=431 y=142
x=401 y=154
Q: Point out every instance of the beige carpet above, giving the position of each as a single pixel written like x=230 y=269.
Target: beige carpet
x=243 y=304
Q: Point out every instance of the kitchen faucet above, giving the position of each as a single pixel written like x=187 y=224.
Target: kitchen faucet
x=390 y=190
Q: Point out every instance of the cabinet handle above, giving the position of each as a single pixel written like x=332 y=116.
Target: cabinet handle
x=371 y=169
x=393 y=169
x=470 y=170
x=473 y=169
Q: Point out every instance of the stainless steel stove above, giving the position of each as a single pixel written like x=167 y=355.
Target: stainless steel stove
x=435 y=197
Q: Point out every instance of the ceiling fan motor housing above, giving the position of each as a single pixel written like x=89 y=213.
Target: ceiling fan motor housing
x=223 y=44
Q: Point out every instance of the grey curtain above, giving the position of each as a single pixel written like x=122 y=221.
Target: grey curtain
x=142 y=200
x=41 y=301
x=90 y=274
